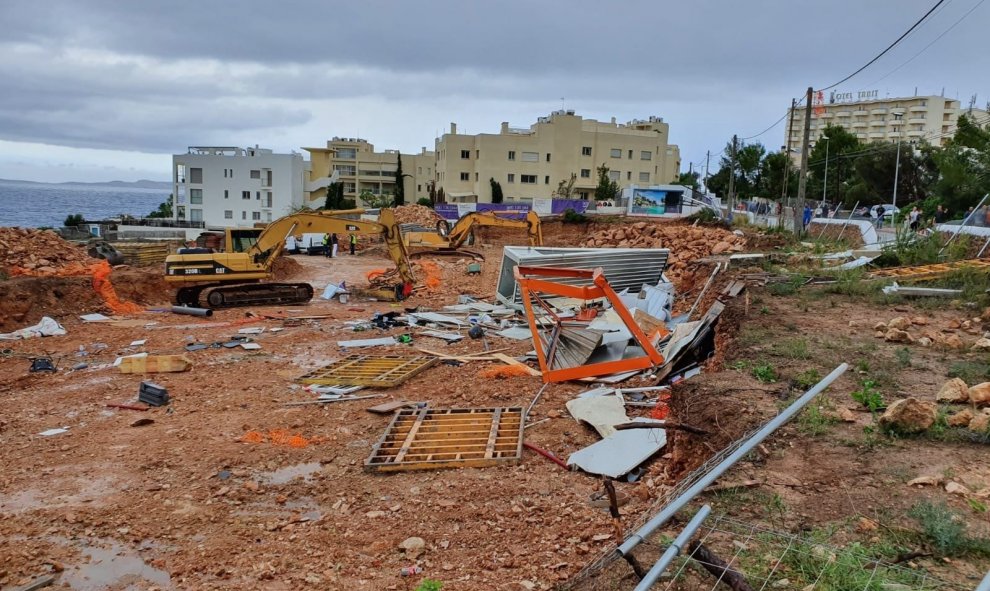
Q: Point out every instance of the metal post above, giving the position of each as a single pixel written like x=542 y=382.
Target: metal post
x=897 y=170
x=966 y=219
x=673 y=550
x=825 y=182
x=803 y=180
x=984 y=584
x=677 y=504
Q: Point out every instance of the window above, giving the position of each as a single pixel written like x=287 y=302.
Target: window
x=477 y=153
x=475 y=176
x=615 y=153
x=257 y=195
x=630 y=154
x=256 y=215
x=226 y=194
x=546 y=180
x=195 y=196
x=268 y=199
x=419 y=188
x=586 y=173
x=256 y=174
x=268 y=216
x=644 y=177
x=245 y=194
x=196 y=175
x=586 y=151
x=465 y=154
x=548 y=156
x=195 y=215
x=528 y=179
x=419 y=170
x=614 y=175
x=629 y=176
x=231 y=173
x=530 y=156
x=243 y=215
x=225 y=173
x=646 y=155
x=465 y=176
x=347 y=153
x=512 y=154
x=512 y=178
x=228 y=214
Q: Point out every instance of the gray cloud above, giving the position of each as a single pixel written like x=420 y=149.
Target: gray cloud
x=156 y=77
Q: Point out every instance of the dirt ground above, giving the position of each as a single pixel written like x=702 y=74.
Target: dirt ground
x=186 y=503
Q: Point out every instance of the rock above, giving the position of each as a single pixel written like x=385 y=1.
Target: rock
x=954 y=324
x=721 y=247
x=894 y=335
x=527 y=585
x=980 y=423
x=781 y=584
x=979 y=394
x=982 y=344
x=954 y=342
x=961 y=418
x=879 y=334
x=954 y=488
x=900 y=322
x=925 y=481
x=880 y=326
x=252 y=486
x=924 y=342
x=919 y=321
x=413 y=547
x=865 y=525
x=374 y=514
x=955 y=390
x=846 y=415
x=909 y=415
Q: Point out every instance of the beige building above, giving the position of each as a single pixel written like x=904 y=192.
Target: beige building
x=361 y=168
x=531 y=162
x=931 y=119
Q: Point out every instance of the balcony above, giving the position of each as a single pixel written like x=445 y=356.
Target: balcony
x=916 y=133
x=861 y=136
x=878 y=123
x=861 y=113
x=919 y=109
x=918 y=120
x=858 y=124
x=878 y=111
x=876 y=135
x=894 y=135
x=843 y=113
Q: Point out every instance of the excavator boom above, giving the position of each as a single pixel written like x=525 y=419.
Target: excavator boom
x=231 y=278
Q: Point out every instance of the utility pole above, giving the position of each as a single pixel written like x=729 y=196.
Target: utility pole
x=803 y=181
x=787 y=165
x=732 y=177
x=708 y=155
x=897 y=170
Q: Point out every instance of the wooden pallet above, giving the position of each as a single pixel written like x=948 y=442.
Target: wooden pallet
x=425 y=438
x=929 y=271
x=374 y=371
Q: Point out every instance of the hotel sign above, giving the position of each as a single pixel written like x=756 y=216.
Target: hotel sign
x=848 y=97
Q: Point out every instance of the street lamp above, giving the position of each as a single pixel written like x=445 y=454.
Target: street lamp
x=897 y=165
x=825 y=184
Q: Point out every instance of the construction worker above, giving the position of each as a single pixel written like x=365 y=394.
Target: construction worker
x=333 y=244
x=353 y=240
x=326 y=245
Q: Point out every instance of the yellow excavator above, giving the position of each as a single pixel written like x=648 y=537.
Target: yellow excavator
x=447 y=238
x=241 y=275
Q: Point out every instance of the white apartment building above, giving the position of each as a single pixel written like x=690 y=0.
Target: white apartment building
x=930 y=119
x=230 y=186
x=530 y=162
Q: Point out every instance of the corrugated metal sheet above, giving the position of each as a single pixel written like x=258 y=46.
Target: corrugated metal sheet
x=624 y=267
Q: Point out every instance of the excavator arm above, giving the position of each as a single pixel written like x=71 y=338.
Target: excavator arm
x=461 y=230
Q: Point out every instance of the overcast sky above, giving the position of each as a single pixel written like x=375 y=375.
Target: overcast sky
x=102 y=89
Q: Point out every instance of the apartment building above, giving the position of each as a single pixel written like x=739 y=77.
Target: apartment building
x=231 y=186
x=931 y=119
x=361 y=168
x=530 y=162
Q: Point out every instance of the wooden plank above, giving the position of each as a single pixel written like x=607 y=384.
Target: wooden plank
x=510 y=361
x=411 y=436
x=493 y=435
x=389 y=407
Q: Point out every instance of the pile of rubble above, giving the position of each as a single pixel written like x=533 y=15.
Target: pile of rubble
x=417 y=214
x=898 y=330
x=686 y=243
x=42 y=251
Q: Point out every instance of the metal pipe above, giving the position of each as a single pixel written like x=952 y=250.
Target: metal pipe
x=192 y=311
x=984 y=584
x=677 y=504
x=673 y=550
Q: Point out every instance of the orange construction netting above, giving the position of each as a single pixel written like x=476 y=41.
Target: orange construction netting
x=503 y=371
x=101 y=282
x=432 y=272
x=279 y=437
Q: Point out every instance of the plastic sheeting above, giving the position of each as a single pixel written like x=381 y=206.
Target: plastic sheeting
x=46 y=328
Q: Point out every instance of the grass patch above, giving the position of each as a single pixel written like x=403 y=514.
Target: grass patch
x=789 y=287
x=796 y=348
x=852 y=282
x=971 y=372
x=869 y=396
x=807 y=378
x=944 y=531
x=815 y=420
x=903 y=357
x=765 y=373
x=750 y=336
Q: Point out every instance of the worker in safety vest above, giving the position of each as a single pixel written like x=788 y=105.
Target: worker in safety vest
x=353 y=239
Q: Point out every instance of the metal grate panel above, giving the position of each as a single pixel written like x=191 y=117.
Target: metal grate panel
x=423 y=439
x=929 y=271
x=374 y=371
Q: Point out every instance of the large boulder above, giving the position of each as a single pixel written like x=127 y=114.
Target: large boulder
x=896 y=335
x=900 y=323
x=909 y=415
x=980 y=423
x=955 y=390
x=961 y=418
x=979 y=394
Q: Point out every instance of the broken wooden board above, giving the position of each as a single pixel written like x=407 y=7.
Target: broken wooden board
x=155 y=364
x=424 y=438
x=389 y=407
x=375 y=371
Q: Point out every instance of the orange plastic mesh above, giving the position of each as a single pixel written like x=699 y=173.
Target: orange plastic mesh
x=662 y=410
x=432 y=272
x=503 y=371
x=103 y=286
x=253 y=437
x=278 y=437
x=372 y=274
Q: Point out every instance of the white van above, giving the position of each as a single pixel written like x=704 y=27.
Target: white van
x=312 y=244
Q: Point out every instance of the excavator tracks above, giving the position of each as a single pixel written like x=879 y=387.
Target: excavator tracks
x=244 y=294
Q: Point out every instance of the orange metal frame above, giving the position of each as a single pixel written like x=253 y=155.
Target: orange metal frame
x=528 y=282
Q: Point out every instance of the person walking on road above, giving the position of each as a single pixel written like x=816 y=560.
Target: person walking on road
x=915 y=218
x=880 y=212
x=333 y=245
x=940 y=215
x=807 y=216
x=353 y=240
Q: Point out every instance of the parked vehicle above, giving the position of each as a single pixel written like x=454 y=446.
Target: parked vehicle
x=889 y=210
x=291 y=245
x=312 y=244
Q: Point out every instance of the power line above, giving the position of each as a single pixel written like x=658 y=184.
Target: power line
x=889 y=47
x=923 y=49
x=775 y=124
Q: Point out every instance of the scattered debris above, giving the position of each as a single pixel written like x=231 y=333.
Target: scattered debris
x=620 y=452
x=152 y=394
x=47 y=327
x=56 y=431
x=384 y=341
x=601 y=412
x=154 y=364
x=376 y=371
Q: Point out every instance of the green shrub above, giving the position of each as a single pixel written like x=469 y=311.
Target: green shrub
x=765 y=373
x=869 y=396
x=429 y=585
x=807 y=378
x=425 y=202
x=573 y=217
x=945 y=531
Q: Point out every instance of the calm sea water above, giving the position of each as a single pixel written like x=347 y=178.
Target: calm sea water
x=34 y=205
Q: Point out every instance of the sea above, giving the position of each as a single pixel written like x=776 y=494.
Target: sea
x=35 y=205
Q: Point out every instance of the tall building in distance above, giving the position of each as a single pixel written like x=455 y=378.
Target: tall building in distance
x=931 y=119
x=225 y=186
x=530 y=162
x=361 y=168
